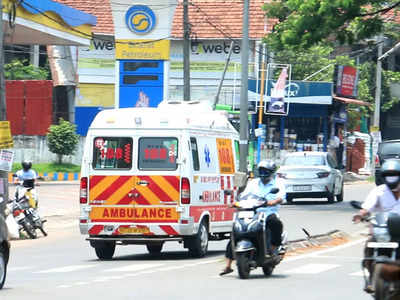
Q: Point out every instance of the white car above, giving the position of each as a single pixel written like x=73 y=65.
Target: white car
x=311 y=175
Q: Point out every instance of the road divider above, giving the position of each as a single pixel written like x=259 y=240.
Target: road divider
x=54 y=176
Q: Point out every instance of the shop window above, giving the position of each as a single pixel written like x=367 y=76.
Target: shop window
x=195 y=154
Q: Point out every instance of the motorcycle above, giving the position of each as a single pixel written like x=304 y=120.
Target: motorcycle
x=24 y=209
x=384 y=262
x=250 y=239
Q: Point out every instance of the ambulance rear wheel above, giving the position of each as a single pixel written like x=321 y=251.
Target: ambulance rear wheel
x=154 y=248
x=105 y=250
x=198 y=245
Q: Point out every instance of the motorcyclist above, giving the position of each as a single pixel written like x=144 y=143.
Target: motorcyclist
x=261 y=187
x=383 y=198
x=27 y=176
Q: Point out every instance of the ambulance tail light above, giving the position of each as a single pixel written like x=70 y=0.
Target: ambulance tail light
x=185 y=191
x=83 y=191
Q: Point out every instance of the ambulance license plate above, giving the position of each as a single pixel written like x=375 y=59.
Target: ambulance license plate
x=134 y=230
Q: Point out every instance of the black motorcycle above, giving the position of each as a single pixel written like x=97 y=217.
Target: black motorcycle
x=251 y=240
x=384 y=262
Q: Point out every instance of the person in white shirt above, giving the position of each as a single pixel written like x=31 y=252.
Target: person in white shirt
x=383 y=198
x=26 y=173
x=262 y=187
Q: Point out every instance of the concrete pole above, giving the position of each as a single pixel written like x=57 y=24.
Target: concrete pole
x=3 y=115
x=186 y=52
x=34 y=55
x=244 y=89
x=378 y=83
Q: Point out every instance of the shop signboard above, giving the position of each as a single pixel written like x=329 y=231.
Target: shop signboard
x=346 y=81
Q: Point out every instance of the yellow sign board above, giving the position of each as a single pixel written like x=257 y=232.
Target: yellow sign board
x=225 y=156
x=6 y=140
x=134 y=214
x=373 y=128
x=142 y=49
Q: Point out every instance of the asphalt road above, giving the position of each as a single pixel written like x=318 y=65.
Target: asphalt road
x=64 y=266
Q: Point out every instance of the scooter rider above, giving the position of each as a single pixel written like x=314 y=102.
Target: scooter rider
x=262 y=187
x=26 y=173
x=383 y=198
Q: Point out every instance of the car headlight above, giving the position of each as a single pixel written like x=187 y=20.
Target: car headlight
x=381 y=235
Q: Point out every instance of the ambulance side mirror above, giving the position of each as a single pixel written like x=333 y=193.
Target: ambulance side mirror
x=240 y=179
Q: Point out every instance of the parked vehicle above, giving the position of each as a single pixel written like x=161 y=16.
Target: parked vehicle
x=311 y=175
x=24 y=209
x=250 y=241
x=4 y=247
x=384 y=261
x=152 y=175
x=387 y=149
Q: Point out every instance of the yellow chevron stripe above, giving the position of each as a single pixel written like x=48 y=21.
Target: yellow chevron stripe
x=121 y=192
x=102 y=186
x=166 y=187
x=148 y=194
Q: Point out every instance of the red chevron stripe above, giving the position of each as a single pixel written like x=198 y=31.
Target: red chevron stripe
x=96 y=229
x=174 y=181
x=155 y=188
x=113 y=187
x=94 y=180
x=169 y=230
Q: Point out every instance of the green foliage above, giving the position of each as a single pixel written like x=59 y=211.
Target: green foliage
x=50 y=167
x=62 y=139
x=20 y=70
x=303 y=24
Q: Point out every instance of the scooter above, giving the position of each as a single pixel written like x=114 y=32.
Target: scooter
x=384 y=262
x=251 y=240
x=24 y=209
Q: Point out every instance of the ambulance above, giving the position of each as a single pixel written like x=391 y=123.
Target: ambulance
x=152 y=175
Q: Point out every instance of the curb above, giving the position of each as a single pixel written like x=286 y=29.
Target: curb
x=317 y=240
x=55 y=176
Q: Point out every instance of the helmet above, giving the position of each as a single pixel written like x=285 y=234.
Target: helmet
x=390 y=171
x=26 y=165
x=266 y=168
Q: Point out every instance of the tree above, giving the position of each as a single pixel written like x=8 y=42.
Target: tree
x=62 y=139
x=21 y=70
x=304 y=23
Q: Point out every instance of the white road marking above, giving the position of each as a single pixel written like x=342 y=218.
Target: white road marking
x=171 y=268
x=64 y=286
x=359 y=273
x=134 y=267
x=311 y=269
x=66 y=269
x=19 y=269
x=208 y=262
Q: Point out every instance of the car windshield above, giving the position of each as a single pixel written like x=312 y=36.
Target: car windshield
x=389 y=148
x=306 y=160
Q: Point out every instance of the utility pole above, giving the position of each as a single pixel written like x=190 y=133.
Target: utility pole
x=378 y=83
x=3 y=117
x=244 y=89
x=186 y=52
x=223 y=75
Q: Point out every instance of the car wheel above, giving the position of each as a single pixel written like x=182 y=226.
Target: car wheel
x=339 y=197
x=198 y=244
x=331 y=196
x=154 y=249
x=3 y=268
x=105 y=251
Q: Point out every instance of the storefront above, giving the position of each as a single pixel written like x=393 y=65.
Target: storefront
x=305 y=127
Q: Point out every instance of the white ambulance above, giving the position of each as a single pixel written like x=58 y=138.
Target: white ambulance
x=151 y=175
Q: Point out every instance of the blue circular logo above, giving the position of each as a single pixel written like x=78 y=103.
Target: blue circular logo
x=140 y=19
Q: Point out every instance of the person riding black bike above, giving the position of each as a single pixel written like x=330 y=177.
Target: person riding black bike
x=383 y=198
x=26 y=175
x=262 y=187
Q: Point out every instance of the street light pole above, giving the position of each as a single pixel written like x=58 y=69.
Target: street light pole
x=186 y=52
x=378 y=84
x=244 y=89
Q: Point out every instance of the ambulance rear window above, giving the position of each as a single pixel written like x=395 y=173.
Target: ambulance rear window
x=112 y=153
x=158 y=153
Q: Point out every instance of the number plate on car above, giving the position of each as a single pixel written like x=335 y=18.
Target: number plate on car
x=382 y=245
x=134 y=230
x=301 y=188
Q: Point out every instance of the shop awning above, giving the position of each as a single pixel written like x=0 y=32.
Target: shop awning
x=351 y=101
x=45 y=22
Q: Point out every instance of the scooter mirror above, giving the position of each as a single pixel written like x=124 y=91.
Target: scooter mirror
x=356 y=204
x=274 y=191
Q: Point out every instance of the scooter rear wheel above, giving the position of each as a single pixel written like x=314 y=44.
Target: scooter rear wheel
x=268 y=269
x=242 y=261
